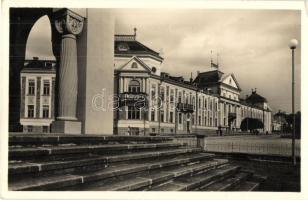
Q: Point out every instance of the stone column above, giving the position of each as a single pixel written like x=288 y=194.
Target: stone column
x=69 y=25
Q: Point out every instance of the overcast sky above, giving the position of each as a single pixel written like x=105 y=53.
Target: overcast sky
x=252 y=44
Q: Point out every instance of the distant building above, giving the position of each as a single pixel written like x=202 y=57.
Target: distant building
x=232 y=110
x=255 y=106
x=226 y=88
x=37 y=95
x=280 y=123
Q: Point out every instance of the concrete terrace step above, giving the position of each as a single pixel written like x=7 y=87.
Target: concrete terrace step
x=37 y=167
x=229 y=183
x=53 y=139
x=68 y=180
x=27 y=153
x=191 y=183
x=146 y=181
x=247 y=186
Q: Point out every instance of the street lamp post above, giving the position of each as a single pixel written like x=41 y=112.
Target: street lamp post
x=293 y=44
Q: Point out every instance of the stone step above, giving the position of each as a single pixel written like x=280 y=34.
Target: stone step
x=55 y=182
x=247 y=186
x=54 y=139
x=228 y=183
x=258 y=178
x=146 y=181
x=30 y=153
x=38 y=167
x=191 y=183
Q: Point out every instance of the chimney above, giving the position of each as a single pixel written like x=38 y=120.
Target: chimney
x=135 y=33
x=191 y=79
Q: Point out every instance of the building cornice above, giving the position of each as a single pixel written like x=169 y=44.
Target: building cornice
x=140 y=55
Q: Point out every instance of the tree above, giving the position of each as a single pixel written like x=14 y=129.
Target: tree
x=251 y=124
x=289 y=119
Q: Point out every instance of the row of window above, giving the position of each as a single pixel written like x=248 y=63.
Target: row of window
x=30 y=129
x=31 y=111
x=162 y=130
x=187 y=99
x=134 y=114
x=31 y=87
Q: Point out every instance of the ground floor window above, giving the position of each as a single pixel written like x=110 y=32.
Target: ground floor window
x=133 y=113
x=45 y=129
x=30 y=129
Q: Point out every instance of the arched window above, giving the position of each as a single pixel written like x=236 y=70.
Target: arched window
x=134 y=65
x=134 y=86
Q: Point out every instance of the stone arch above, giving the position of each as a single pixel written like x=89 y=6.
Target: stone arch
x=21 y=22
x=42 y=28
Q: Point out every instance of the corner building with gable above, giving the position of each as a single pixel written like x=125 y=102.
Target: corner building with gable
x=150 y=101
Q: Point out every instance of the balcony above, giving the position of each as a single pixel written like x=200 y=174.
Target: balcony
x=133 y=99
x=184 y=107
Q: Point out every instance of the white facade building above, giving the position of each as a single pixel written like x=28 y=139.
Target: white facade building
x=171 y=105
x=37 y=95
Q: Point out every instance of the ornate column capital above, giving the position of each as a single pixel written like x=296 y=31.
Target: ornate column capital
x=68 y=22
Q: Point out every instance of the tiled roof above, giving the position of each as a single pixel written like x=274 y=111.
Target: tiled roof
x=177 y=80
x=39 y=65
x=127 y=44
x=255 y=98
x=209 y=77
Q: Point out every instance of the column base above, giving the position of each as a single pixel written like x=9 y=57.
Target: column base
x=67 y=127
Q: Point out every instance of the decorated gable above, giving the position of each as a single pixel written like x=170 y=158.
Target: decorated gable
x=231 y=81
x=135 y=64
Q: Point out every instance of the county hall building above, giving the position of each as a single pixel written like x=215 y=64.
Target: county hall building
x=148 y=100
x=152 y=101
